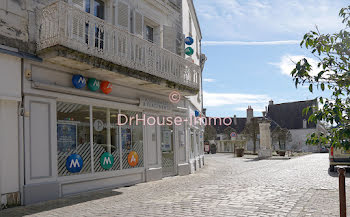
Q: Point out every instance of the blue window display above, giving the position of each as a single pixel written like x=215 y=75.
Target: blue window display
x=66 y=136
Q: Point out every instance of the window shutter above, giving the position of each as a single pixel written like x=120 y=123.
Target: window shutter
x=180 y=44
x=156 y=35
x=169 y=38
x=138 y=23
x=79 y=4
x=123 y=15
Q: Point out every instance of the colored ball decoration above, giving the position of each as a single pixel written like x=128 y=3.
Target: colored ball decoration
x=106 y=87
x=78 y=81
x=189 y=51
x=93 y=84
x=189 y=40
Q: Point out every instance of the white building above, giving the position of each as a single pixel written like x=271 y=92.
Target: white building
x=73 y=72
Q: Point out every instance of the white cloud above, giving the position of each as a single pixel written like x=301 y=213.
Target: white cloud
x=287 y=64
x=208 y=80
x=250 y=42
x=264 y=20
x=221 y=99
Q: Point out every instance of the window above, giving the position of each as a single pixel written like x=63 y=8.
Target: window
x=114 y=146
x=73 y=136
x=149 y=33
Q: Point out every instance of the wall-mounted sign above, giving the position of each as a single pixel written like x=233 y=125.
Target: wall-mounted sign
x=189 y=51
x=78 y=81
x=133 y=158
x=93 y=84
x=196 y=113
x=106 y=87
x=98 y=125
x=66 y=136
x=189 y=40
x=74 y=163
x=233 y=134
x=106 y=160
x=155 y=104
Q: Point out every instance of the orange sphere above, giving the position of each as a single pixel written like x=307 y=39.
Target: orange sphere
x=133 y=158
x=106 y=87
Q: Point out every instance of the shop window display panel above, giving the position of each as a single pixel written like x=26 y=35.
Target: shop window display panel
x=106 y=139
x=73 y=136
x=131 y=141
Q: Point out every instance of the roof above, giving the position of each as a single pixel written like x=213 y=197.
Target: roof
x=219 y=124
x=290 y=115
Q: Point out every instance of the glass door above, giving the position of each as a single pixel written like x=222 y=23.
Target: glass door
x=167 y=148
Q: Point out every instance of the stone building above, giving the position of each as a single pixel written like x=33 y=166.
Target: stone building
x=285 y=115
x=75 y=73
x=290 y=116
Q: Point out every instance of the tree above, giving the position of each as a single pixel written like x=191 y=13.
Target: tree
x=209 y=133
x=227 y=131
x=281 y=135
x=251 y=131
x=333 y=54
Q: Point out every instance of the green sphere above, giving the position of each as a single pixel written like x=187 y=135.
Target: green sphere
x=189 y=51
x=93 y=84
x=106 y=160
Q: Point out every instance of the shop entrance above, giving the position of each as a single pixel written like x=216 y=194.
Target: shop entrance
x=168 y=153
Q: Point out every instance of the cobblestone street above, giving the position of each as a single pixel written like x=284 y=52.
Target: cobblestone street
x=227 y=186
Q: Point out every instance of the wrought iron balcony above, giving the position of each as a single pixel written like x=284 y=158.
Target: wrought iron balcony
x=67 y=26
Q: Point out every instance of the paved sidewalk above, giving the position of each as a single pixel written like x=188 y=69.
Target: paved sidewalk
x=227 y=186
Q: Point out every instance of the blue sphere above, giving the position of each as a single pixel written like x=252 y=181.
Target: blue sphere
x=189 y=40
x=196 y=113
x=78 y=81
x=74 y=163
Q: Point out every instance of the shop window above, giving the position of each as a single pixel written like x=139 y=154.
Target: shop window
x=131 y=135
x=106 y=139
x=73 y=137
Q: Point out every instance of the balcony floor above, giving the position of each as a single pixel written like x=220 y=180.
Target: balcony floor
x=97 y=67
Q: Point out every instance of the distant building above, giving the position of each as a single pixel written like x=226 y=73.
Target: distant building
x=285 y=115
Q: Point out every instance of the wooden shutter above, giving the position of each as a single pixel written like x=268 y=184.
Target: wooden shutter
x=138 y=23
x=180 y=44
x=156 y=35
x=169 y=38
x=123 y=15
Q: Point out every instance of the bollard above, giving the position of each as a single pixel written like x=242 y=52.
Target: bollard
x=342 y=196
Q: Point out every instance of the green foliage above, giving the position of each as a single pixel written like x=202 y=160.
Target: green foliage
x=332 y=52
x=251 y=131
x=209 y=133
x=228 y=130
x=281 y=135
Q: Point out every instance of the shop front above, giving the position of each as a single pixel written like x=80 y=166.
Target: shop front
x=77 y=139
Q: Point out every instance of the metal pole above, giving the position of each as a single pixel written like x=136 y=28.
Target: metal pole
x=342 y=196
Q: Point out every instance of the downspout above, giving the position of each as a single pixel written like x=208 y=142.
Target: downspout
x=21 y=138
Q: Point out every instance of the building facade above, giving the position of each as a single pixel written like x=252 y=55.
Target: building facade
x=97 y=94
x=285 y=115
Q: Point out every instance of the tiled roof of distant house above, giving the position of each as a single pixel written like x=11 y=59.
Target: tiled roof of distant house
x=290 y=115
x=239 y=127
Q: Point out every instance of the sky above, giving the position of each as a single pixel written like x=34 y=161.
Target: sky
x=251 y=46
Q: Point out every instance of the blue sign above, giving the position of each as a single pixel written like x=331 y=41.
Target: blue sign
x=189 y=40
x=78 y=81
x=74 y=163
x=196 y=113
x=66 y=137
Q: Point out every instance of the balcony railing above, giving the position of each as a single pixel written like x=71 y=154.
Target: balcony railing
x=66 y=25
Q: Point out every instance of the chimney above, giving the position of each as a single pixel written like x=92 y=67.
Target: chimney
x=235 y=120
x=271 y=102
x=250 y=114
